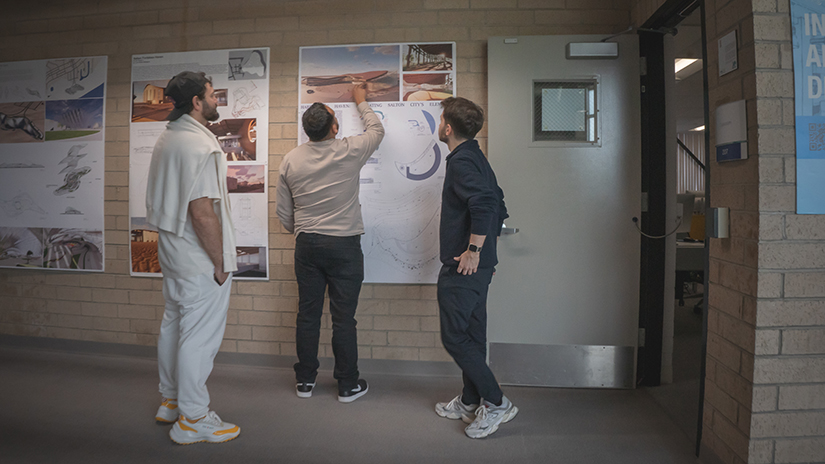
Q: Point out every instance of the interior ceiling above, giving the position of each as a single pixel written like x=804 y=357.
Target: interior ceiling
x=688 y=93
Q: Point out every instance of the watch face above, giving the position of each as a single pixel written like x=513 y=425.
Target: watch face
x=473 y=248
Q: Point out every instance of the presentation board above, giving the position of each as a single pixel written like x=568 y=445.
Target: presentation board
x=52 y=136
x=401 y=183
x=240 y=78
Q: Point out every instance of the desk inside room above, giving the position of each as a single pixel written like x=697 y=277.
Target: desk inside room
x=690 y=267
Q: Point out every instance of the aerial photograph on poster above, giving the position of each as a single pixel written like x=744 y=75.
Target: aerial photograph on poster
x=246 y=178
x=428 y=87
x=22 y=122
x=427 y=57
x=237 y=138
x=327 y=73
x=69 y=119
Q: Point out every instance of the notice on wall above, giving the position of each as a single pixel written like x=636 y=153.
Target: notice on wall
x=808 y=19
x=401 y=183
x=52 y=135
x=240 y=78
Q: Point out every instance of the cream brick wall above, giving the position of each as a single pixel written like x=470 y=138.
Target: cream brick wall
x=395 y=321
x=788 y=422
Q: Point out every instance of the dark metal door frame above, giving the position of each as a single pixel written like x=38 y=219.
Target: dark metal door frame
x=654 y=147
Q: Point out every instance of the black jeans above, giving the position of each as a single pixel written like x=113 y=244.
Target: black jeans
x=323 y=261
x=462 y=304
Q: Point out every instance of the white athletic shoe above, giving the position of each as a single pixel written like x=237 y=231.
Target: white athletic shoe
x=210 y=428
x=455 y=409
x=168 y=411
x=489 y=417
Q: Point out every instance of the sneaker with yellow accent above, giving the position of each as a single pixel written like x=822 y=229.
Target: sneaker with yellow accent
x=209 y=428
x=168 y=411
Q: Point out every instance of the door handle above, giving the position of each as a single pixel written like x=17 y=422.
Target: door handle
x=508 y=230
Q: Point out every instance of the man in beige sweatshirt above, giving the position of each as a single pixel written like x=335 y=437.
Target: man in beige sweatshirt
x=317 y=191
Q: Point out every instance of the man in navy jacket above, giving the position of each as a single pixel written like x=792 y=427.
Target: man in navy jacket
x=472 y=212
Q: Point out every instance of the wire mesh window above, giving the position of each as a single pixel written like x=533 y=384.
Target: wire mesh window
x=565 y=111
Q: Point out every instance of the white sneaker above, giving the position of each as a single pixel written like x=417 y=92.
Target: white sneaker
x=210 y=428
x=489 y=417
x=455 y=409
x=168 y=411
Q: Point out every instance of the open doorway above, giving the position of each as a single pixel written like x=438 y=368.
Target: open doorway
x=672 y=367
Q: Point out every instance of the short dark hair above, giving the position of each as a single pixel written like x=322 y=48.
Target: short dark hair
x=182 y=88
x=464 y=116
x=317 y=122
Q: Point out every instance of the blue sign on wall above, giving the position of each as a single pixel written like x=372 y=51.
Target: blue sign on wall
x=808 y=21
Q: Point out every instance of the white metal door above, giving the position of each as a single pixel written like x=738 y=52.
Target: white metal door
x=563 y=305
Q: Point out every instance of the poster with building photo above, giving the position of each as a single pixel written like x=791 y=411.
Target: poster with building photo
x=240 y=78
x=52 y=133
x=401 y=183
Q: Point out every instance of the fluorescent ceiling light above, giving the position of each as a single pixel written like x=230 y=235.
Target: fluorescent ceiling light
x=682 y=63
x=697 y=129
x=685 y=67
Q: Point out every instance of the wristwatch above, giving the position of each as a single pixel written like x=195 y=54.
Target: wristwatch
x=474 y=249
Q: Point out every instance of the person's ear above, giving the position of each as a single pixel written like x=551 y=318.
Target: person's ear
x=196 y=103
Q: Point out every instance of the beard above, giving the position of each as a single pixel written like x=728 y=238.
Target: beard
x=442 y=133
x=211 y=113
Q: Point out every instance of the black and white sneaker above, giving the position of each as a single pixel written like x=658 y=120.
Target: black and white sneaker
x=304 y=389
x=348 y=396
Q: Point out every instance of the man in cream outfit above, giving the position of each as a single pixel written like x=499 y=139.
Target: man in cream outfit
x=187 y=200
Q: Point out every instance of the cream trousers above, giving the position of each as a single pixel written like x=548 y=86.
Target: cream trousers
x=191 y=333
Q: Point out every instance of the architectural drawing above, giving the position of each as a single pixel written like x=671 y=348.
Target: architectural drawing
x=23 y=122
x=247 y=64
x=246 y=100
x=52 y=190
x=19 y=205
x=240 y=78
x=400 y=185
x=72 y=158
x=72 y=180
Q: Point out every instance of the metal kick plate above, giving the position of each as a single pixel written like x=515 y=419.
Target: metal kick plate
x=570 y=366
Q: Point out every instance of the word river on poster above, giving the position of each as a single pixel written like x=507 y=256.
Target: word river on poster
x=401 y=183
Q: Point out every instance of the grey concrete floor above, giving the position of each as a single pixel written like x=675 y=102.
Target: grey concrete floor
x=71 y=408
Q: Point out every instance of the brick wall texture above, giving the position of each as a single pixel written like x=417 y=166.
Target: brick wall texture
x=394 y=321
x=766 y=324
x=788 y=408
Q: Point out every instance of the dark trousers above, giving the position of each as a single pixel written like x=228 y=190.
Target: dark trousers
x=462 y=304
x=323 y=261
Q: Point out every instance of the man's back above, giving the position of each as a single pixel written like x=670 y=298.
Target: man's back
x=319 y=182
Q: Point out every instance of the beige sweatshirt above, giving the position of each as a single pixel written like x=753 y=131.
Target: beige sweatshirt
x=318 y=184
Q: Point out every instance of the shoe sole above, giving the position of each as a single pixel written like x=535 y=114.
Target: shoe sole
x=510 y=416
x=162 y=421
x=464 y=418
x=304 y=394
x=350 y=399
x=205 y=441
x=202 y=440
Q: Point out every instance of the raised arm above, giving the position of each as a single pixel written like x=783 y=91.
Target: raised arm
x=364 y=145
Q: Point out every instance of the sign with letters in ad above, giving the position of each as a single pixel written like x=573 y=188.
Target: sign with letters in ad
x=808 y=20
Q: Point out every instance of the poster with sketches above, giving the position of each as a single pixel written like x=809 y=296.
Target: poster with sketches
x=401 y=183
x=52 y=163
x=240 y=78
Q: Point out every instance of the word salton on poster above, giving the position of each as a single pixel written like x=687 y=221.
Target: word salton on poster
x=401 y=184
